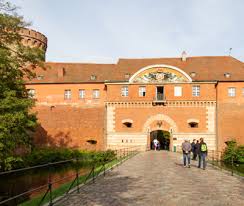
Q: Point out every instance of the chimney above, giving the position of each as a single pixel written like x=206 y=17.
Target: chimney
x=60 y=72
x=183 y=56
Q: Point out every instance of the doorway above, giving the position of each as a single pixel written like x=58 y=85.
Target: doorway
x=163 y=137
x=160 y=93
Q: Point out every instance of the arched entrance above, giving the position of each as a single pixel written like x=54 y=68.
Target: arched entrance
x=163 y=137
x=160 y=122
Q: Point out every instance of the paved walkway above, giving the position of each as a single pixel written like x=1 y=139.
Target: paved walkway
x=158 y=178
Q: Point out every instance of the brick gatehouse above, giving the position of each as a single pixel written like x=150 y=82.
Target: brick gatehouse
x=100 y=106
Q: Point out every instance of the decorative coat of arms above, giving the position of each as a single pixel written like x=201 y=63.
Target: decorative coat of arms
x=158 y=77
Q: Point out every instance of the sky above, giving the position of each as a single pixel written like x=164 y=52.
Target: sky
x=103 y=31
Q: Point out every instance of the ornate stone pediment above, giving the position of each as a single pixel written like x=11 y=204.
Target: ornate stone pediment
x=157 y=74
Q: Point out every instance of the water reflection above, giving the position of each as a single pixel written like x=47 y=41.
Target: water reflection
x=14 y=184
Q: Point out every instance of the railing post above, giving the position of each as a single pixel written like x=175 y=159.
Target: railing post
x=213 y=157
x=77 y=176
x=232 y=165
x=50 y=185
x=104 y=169
x=93 y=174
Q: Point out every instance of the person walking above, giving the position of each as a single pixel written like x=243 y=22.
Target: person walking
x=203 y=151
x=197 y=149
x=186 y=148
x=155 y=143
x=193 y=149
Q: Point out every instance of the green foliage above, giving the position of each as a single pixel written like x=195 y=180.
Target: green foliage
x=235 y=152
x=48 y=155
x=16 y=63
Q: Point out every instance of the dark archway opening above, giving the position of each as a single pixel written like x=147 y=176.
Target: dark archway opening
x=163 y=137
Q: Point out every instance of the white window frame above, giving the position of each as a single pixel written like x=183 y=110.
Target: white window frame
x=31 y=93
x=196 y=90
x=67 y=94
x=242 y=91
x=142 y=91
x=95 y=93
x=178 y=91
x=125 y=91
x=231 y=91
x=82 y=94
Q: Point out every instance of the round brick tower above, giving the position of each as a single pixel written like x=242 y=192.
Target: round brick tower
x=34 y=38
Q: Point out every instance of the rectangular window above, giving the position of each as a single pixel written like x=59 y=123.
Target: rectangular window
x=82 y=93
x=142 y=91
x=31 y=93
x=124 y=91
x=178 y=91
x=196 y=91
x=231 y=91
x=95 y=93
x=67 y=94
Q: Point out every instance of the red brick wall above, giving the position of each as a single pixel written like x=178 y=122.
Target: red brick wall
x=68 y=126
x=179 y=114
x=230 y=114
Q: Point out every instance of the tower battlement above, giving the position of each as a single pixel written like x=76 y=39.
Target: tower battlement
x=33 y=38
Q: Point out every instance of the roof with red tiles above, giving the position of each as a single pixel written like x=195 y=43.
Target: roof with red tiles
x=207 y=68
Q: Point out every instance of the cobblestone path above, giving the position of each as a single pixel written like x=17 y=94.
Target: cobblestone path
x=158 y=178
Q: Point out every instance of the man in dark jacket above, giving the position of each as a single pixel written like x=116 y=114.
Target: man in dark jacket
x=203 y=151
x=193 y=149
x=197 y=149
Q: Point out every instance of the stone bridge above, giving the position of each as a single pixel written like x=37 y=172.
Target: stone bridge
x=158 y=178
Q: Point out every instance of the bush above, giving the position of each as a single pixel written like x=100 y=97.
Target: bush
x=49 y=155
x=235 y=152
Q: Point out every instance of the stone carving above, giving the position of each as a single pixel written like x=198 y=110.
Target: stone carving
x=159 y=76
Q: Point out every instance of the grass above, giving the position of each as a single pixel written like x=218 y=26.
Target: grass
x=239 y=171
x=64 y=187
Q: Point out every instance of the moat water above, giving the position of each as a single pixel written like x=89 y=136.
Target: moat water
x=17 y=183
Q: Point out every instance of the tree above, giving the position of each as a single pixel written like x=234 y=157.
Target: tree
x=17 y=62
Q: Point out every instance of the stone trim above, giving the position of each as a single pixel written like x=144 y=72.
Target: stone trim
x=161 y=117
x=169 y=103
x=210 y=114
x=110 y=119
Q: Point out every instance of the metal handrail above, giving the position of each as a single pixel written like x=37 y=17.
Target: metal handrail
x=159 y=97
x=121 y=154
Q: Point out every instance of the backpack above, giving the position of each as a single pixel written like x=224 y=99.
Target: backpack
x=203 y=148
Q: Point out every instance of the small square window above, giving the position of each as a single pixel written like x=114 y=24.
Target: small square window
x=178 y=91
x=67 y=94
x=231 y=91
x=124 y=91
x=142 y=91
x=196 y=91
x=82 y=93
x=95 y=93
